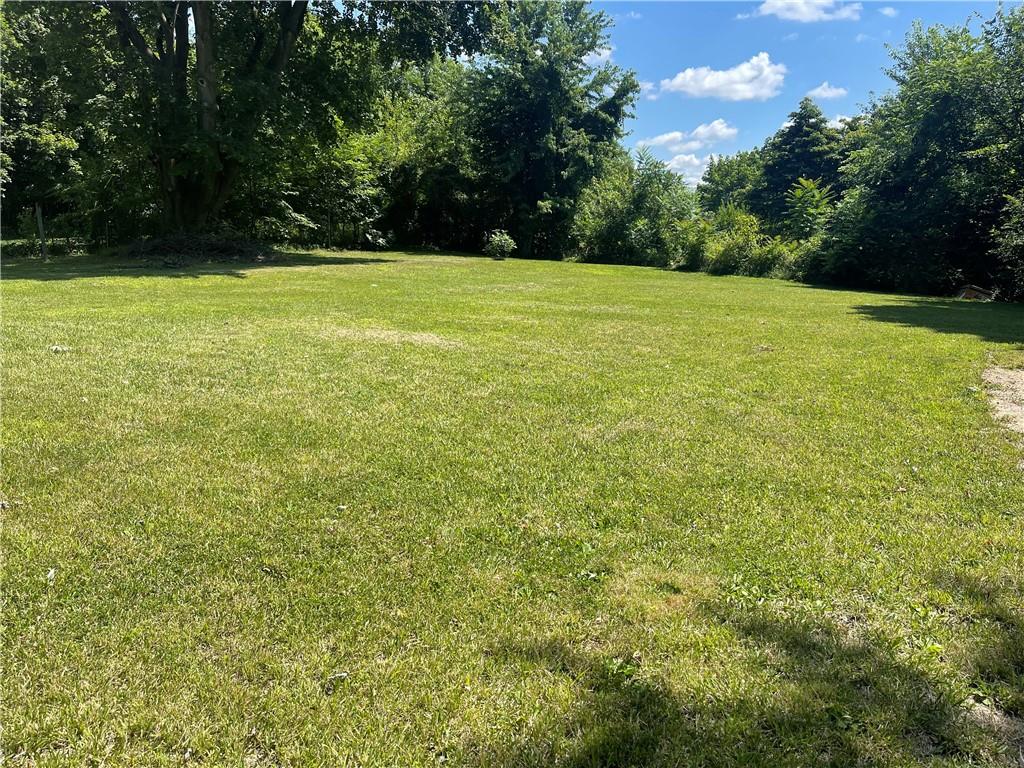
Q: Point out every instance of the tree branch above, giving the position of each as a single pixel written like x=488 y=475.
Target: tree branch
x=290 y=15
x=257 y=44
x=165 y=38
x=181 y=45
x=206 y=75
x=129 y=33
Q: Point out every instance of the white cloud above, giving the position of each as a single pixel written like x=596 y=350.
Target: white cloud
x=888 y=11
x=827 y=91
x=690 y=167
x=757 y=79
x=810 y=10
x=648 y=90
x=861 y=38
x=791 y=37
x=670 y=138
x=630 y=15
x=704 y=135
x=713 y=132
x=838 y=120
x=599 y=57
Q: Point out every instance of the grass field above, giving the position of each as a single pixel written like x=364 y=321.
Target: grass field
x=410 y=510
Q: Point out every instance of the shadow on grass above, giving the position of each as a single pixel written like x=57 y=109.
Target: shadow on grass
x=997 y=662
x=995 y=322
x=74 y=267
x=834 y=695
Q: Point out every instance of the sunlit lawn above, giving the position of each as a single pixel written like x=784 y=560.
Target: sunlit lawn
x=395 y=510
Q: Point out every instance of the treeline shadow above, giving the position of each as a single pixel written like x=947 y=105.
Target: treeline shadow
x=842 y=698
x=86 y=266
x=992 y=321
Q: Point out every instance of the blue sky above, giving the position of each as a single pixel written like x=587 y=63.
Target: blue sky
x=723 y=76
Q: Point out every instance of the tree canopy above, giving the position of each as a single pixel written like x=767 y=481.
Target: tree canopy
x=425 y=124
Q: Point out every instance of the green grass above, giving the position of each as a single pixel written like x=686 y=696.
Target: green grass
x=421 y=510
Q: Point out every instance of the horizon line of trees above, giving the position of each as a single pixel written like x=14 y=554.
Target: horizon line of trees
x=922 y=192
x=468 y=124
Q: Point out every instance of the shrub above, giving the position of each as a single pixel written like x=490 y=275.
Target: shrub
x=808 y=259
x=736 y=241
x=284 y=225
x=728 y=252
x=373 y=238
x=499 y=245
x=772 y=258
x=629 y=213
x=689 y=242
x=189 y=248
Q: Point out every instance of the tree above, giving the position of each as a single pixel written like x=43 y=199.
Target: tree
x=542 y=119
x=941 y=158
x=431 y=188
x=631 y=212
x=729 y=179
x=810 y=204
x=806 y=147
x=207 y=108
x=38 y=152
x=1009 y=246
x=208 y=89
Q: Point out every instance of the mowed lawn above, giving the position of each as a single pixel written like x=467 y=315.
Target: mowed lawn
x=412 y=510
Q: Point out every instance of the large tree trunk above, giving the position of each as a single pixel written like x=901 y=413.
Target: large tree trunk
x=206 y=75
x=194 y=198
x=41 y=231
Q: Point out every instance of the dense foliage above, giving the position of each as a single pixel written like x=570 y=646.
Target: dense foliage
x=632 y=212
x=435 y=124
x=929 y=179
x=339 y=123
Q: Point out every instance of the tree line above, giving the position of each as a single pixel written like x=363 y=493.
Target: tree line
x=921 y=192
x=493 y=125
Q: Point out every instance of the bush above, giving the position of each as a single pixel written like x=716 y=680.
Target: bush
x=772 y=258
x=499 y=245
x=630 y=212
x=728 y=252
x=284 y=225
x=732 y=243
x=736 y=241
x=689 y=242
x=21 y=249
x=808 y=259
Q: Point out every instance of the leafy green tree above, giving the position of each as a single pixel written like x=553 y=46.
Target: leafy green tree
x=806 y=147
x=735 y=241
x=1009 y=246
x=729 y=179
x=431 y=181
x=809 y=204
x=630 y=213
x=210 y=91
x=39 y=165
x=939 y=157
x=541 y=119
